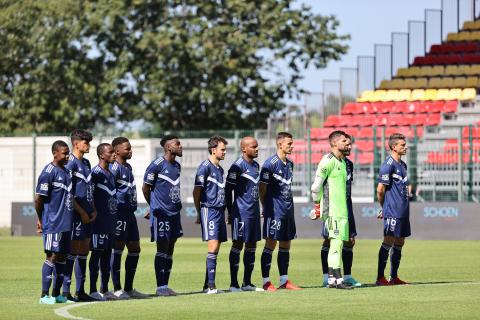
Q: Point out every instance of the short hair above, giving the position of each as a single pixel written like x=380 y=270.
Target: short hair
x=101 y=148
x=394 y=138
x=335 y=134
x=80 y=135
x=281 y=135
x=214 y=141
x=119 y=140
x=349 y=137
x=59 y=144
x=167 y=138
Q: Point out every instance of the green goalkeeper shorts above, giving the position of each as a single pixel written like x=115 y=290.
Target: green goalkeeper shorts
x=338 y=228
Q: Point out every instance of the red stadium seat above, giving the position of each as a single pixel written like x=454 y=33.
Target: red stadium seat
x=319 y=133
x=433 y=119
x=364 y=145
x=332 y=121
x=365 y=158
x=350 y=108
x=450 y=106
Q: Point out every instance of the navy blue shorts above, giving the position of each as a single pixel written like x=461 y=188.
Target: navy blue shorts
x=396 y=227
x=279 y=228
x=352 y=229
x=213 y=224
x=126 y=227
x=81 y=231
x=247 y=230
x=102 y=241
x=165 y=227
x=57 y=242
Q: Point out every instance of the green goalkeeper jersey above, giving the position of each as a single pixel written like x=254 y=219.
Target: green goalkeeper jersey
x=331 y=177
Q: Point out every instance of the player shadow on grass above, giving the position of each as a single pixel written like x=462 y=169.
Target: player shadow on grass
x=372 y=285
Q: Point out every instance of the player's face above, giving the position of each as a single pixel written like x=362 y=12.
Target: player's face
x=61 y=155
x=108 y=154
x=82 y=145
x=286 y=145
x=251 y=149
x=124 y=150
x=341 y=144
x=220 y=151
x=348 y=148
x=401 y=147
x=175 y=147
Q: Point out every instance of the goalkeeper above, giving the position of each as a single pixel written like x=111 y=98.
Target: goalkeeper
x=329 y=193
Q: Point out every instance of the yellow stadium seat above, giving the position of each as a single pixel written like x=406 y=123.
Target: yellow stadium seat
x=391 y=95
x=459 y=82
x=417 y=95
x=421 y=83
x=469 y=25
x=443 y=94
x=409 y=83
x=474 y=70
x=471 y=82
x=463 y=70
x=447 y=82
x=452 y=70
x=437 y=71
x=367 y=96
x=477 y=24
x=379 y=95
x=430 y=94
x=463 y=36
x=385 y=84
x=425 y=71
x=435 y=82
x=402 y=72
x=414 y=71
x=468 y=94
x=474 y=36
x=403 y=95
x=452 y=37
x=455 y=94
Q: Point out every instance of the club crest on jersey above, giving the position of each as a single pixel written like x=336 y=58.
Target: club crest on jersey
x=112 y=205
x=232 y=175
x=44 y=187
x=266 y=176
x=201 y=179
x=90 y=193
x=221 y=195
x=385 y=177
x=255 y=192
x=175 y=194
x=286 y=192
x=69 y=202
x=132 y=197
x=150 y=176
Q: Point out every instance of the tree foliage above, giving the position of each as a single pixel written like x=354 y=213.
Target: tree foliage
x=220 y=64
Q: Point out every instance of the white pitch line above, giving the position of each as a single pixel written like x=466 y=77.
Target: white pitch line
x=63 y=311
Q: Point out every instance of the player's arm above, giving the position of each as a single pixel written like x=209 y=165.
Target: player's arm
x=200 y=180
x=384 y=180
x=265 y=176
x=39 y=199
x=197 y=194
x=81 y=212
x=149 y=179
x=323 y=170
x=232 y=177
x=42 y=191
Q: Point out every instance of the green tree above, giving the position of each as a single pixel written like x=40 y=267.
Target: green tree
x=219 y=64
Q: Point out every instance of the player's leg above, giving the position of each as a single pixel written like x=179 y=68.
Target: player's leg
x=234 y=260
x=47 y=275
x=338 y=233
x=105 y=270
x=252 y=234
x=81 y=248
x=286 y=234
x=133 y=255
x=60 y=248
x=395 y=261
x=168 y=268
x=383 y=253
x=71 y=257
x=115 y=266
x=269 y=230
x=347 y=258
x=324 y=253
x=161 y=263
x=97 y=249
x=211 y=264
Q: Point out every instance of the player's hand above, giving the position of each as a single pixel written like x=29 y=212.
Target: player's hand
x=380 y=214
x=85 y=218
x=147 y=214
x=39 y=226
x=229 y=219
x=93 y=216
x=262 y=214
x=315 y=213
x=197 y=221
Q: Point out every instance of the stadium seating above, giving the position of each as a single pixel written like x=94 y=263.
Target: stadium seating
x=418 y=95
x=432 y=83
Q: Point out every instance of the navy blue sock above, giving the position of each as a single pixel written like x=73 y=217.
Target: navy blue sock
x=324 y=256
x=266 y=262
x=115 y=265
x=395 y=261
x=382 y=260
x=234 y=259
x=131 y=263
x=47 y=274
x=168 y=269
x=59 y=275
x=248 y=265
x=67 y=279
x=283 y=260
x=104 y=270
x=347 y=258
x=160 y=266
x=93 y=268
x=80 y=273
x=211 y=268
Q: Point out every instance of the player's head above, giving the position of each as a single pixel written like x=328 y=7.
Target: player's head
x=338 y=140
x=60 y=152
x=249 y=147
x=398 y=143
x=348 y=145
x=81 y=140
x=171 y=144
x=105 y=152
x=285 y=142
x=217 y=146
x=122 y=147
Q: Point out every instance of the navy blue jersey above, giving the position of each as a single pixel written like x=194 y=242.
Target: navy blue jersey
x=126 y=189
x=242 y=178
x=82 y=186
x=55 y=185
x=278 y=176
x=164 y=177
x=393 y=175
x=210 y=178
x=349 y=165
x=105 y=200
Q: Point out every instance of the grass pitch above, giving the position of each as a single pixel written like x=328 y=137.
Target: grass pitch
x=444 y=274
